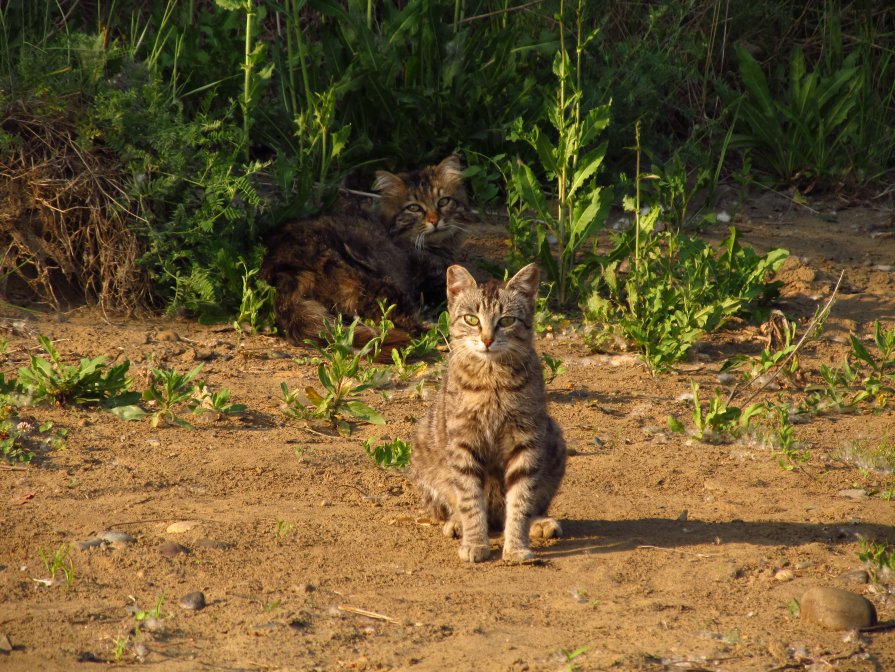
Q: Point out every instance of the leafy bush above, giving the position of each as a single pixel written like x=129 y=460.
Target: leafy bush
x=678 y=288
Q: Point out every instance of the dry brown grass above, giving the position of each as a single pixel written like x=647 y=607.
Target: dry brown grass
x=64 y=234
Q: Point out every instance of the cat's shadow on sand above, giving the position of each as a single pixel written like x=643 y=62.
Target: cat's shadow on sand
x=591 y=537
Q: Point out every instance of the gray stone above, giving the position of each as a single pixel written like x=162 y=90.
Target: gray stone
x=92 y=542
x=192 y=601
x=116 y=537
x=836 y=609
x=171 y=549
x=855 y=577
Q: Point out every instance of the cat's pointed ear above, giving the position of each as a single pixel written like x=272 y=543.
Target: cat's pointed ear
x=449 y=172
x=458 y=279
x=389 y=185
x=526 y=281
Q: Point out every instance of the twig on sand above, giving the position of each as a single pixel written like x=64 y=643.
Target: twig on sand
x=677 y=550
x=368 y=614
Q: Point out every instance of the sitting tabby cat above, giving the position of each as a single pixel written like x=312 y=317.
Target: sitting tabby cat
x=487 y=453
x=343 y=264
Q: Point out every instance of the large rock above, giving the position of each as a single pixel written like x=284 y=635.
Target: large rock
x=837 y=609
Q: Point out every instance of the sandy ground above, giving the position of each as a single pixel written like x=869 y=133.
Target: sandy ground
x=677 y=554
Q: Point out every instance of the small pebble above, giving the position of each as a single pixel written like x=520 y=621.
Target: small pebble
x=5 y=644
x=855 y=577
x=152 y=624
x=181 y=526
x=836 y=609
x=116 y=537
x=167 y=335
x=727 y=378
x=785 y=575
x=192 y=601
x=92 y=542
x=855 y=493
x=172 y=549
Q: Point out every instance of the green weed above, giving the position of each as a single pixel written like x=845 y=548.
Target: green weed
x=554 y=369
x=120 y=644
x=343 y=375
x=256 y=309
x=58 y=561
x=790 y=453
x=283 y=529
x=394 y=453
x=217 y=403
x=865 y=378
x=878 y=554
x=170 y=392
x=718 y=421
x=88 y=382
x=571 y=654
x=142 y=615
x=20 y=438
x=537 y=226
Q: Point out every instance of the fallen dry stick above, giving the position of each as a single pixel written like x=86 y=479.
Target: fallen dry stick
x=368 y=614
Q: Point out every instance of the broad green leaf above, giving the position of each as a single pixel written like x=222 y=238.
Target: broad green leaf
x=363 y=412
x=130 y=412
x=587 y=166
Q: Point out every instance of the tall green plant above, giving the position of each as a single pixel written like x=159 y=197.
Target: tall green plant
x=580 y=207
x=804 y=133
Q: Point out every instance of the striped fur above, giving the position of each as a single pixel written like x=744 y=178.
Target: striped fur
x=487 y=454
x=344 y=263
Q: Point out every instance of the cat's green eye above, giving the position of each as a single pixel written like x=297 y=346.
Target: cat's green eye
x=506 y=321
x=413 y=207
x=444 y=201
x=471 y=320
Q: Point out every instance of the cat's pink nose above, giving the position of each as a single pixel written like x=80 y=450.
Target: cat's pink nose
x=487 y=342
x=432 y=218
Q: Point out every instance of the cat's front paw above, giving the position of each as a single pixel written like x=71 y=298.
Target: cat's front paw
x=545 y=528
x=517 y=555
x=474 y=553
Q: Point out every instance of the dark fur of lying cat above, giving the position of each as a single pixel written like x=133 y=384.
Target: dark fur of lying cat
x=344 y=263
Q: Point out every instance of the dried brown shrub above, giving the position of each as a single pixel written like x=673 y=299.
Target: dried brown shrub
x=64 y=234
